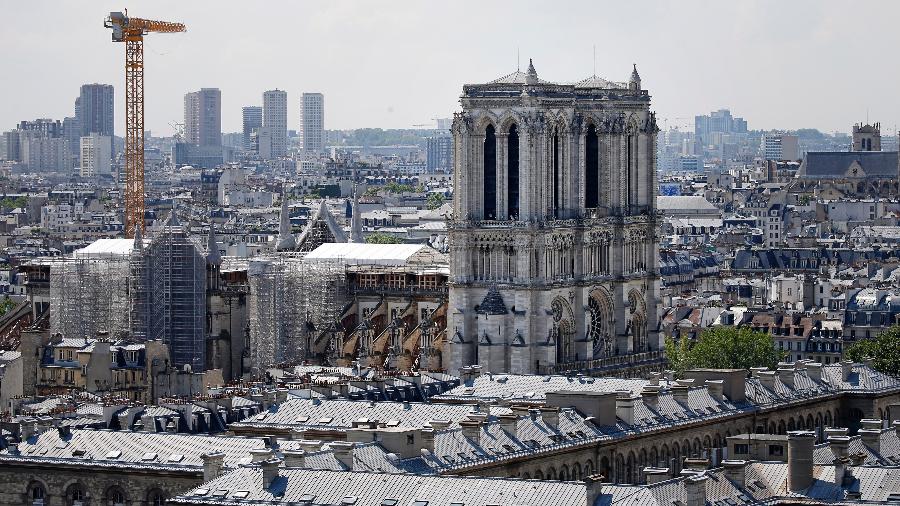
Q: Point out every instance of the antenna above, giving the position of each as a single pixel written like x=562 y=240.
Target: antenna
x=595 y=60
x=518 y=65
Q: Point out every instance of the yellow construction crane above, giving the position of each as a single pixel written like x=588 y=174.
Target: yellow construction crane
x=131 y=31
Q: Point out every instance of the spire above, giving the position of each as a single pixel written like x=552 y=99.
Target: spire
x=531 y=76
x=356 y=234
x=212 y=249
x=285 y=239
x=172 y=220
x=635 y=82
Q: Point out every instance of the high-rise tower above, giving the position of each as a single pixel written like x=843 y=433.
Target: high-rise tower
x=275 y=118
x=203 y=117
x=553 y=236
x=312 y=123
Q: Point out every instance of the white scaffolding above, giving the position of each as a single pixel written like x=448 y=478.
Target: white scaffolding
x=290 y=302
x=89 y=295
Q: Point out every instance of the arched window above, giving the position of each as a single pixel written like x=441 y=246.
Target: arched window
x=556 y=196
x=629 y=171
x=490 y=174
x=36 y=493
x=76 y=495
x=156 y=498
x=115 y=496
x=592 y=169
x=512 y=172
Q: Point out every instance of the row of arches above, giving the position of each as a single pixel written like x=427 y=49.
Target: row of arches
x=38 y=492
x=575 y=471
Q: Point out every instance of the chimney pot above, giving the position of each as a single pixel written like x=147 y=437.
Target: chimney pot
x=695 y=487
x=800 y=460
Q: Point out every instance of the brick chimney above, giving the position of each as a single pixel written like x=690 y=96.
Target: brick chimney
x=269 y=472
x=695 y=488
x=800 y=460
x=294 y=458
x=736 y=471
x=716 y=389
x=625 y=407
x=655 y=474
x=212 y=465
x=343 y=451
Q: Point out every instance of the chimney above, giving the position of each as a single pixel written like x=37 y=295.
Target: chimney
x=654 y=378
x=767 y=379
x=296 y=434
x=871 y=438
x=212 y=465
x=343 y=451
x=465 y=376
x=593 y=488
x=471 y=429
x=696 y=464
x=840 y=470
x=439 y=424
x=695 y=487
x=814 y=371
x=149 y=423
x=870 y=423
x=835 y=431
x=669 y=375
x=550 y=415
x=294 y=458
x=800 y=460
x=736 y=471
x=124 y=419
x=896 y=426
x=650 y=396
x=786 y=375
x=655 y=474
x=754 y=371
x=269 y=471
x=65 y=431
x=281 y=396
x=858 y=459
x=268 y=399
x=846 y=369
x=13 y=449
x=680 y=393
x=476 y=371
x=260 y=454
x=509 y=422
x=625 y=407
x=310 y=445
x=716 y=389
x=839 y=445
x=428 y=439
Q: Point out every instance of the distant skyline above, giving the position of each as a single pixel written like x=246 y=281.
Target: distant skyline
x=396 y=64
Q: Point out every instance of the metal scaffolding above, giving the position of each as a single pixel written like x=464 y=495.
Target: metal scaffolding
x=290 y=302
x=89 y=295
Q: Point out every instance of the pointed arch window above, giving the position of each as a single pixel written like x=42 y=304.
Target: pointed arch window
x=490 y=174
x=592 y=169
x=556 y=195
x=512 y=174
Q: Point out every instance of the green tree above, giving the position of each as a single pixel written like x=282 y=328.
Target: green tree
x=434 y=201
x=884 y=351
x=6 y=305
x=723 y=348
x=382 y=238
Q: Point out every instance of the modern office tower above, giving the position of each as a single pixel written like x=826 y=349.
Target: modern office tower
x=275 y=118
x=439 y=153
x=94 y=110
x=203 y=117
x=780 y=146
x=312 y=123
x=72 y=134
x=44 y=127
x=553 y=253
x=95 y=155
x=252 y=120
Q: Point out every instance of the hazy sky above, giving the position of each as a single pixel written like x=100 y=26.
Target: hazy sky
x=395 y=64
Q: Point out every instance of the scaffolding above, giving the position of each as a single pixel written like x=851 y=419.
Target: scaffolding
x=168 y=294
x=291 y=301
x=89 y=295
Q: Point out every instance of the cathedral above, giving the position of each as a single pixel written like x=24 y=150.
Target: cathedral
x=553 y=246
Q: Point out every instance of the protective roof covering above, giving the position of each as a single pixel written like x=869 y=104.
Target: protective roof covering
x=374 y=254
x=683 y=203
x=840 y=164
x=105 y=247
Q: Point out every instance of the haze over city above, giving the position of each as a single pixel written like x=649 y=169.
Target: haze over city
x=395 y=64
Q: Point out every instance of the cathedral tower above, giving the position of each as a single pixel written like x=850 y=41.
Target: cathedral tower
x=553 y=236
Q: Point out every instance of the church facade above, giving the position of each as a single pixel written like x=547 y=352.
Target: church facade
x=553 y=243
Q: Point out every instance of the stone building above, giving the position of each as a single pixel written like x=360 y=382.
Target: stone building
x=553 y=237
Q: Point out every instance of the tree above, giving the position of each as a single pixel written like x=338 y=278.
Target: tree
x=6 y=304
x=434 y=201
x=723 y=348
x=884 y=351
x=382 y=238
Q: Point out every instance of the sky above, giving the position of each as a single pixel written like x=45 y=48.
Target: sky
x=396 y=64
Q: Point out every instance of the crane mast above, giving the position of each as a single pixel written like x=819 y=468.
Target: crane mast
x=131 y=31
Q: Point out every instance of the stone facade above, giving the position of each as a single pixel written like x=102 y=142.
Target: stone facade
x=553 y=238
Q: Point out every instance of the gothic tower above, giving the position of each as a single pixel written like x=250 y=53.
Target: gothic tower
x=553 y=235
